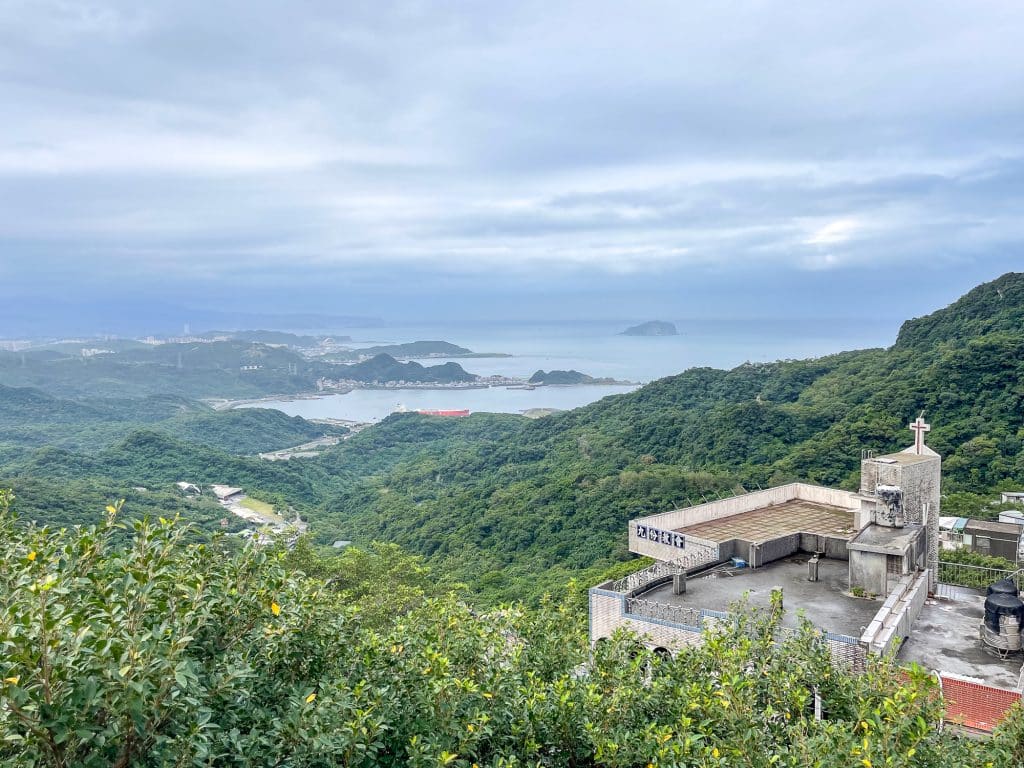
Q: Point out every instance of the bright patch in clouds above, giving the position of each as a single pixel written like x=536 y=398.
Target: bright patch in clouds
x=838 y=231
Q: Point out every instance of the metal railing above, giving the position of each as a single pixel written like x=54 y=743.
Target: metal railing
x=648 y=575
x=675 y=614
x=976 y=576
x=664 y=568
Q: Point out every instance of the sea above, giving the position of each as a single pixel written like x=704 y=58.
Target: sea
x=596 y=348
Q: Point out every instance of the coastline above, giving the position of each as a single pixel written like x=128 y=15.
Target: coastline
x=225 y=404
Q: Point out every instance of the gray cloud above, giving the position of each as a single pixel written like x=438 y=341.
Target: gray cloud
x=183 y=142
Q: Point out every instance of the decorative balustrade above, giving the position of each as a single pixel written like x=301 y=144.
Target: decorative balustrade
x=662 y=569
x=648 y=575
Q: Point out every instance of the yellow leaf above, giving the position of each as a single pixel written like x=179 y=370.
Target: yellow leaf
x=867 y=763
x=31 y=556
x=715 y=753
x=488 y=695
x=12 y=680
x=311 y=698
x=275 y=609
x=111 y=509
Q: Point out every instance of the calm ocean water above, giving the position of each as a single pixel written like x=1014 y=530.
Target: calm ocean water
x=596 y=349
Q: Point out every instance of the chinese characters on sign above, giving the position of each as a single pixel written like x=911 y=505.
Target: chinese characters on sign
x=658 y=536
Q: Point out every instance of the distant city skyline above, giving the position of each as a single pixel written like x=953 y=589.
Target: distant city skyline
x=430 y=163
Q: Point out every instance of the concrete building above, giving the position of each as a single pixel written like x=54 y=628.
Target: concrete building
x=225 y=492
x=860 y=566
x=1000 y=538
x=990 y=537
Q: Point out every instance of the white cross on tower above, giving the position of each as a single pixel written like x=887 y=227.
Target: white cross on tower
x=919 y=428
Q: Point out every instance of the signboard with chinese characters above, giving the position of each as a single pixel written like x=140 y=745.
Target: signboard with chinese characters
x=658 y=536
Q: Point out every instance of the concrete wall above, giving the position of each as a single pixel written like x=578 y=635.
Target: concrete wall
x=775 y=549
x=716 y=510
x=868 y=570
x=897 y=615
x=608 y=613
x=834 y=547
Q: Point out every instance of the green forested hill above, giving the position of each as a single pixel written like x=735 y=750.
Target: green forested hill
x=550 y=497
x=989 y=308
x=30 y=418
x=515 y=506
x=219 y=369
x=384 y=367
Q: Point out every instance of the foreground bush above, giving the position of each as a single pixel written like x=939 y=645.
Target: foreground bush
x=168 y=653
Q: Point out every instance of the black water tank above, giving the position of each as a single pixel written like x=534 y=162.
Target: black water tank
x=999 y=605
x=1003 y=587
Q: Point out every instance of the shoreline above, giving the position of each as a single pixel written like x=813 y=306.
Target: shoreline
x=225 y=404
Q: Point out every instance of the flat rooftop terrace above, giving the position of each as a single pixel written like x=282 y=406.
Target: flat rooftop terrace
x=825 y=603
x=945 y=637
x=771 y=522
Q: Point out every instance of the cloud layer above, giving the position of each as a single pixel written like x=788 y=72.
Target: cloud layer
x=187 y=142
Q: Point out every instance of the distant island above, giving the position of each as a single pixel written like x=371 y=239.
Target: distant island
x=652 y=328
x=567 y=378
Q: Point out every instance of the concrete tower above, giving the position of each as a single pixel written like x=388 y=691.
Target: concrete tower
x=906 y=489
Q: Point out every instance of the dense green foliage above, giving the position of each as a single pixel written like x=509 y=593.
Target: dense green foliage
x=75 y=501
x=32 y=418
x=161 y=653
x=384 y=368
x=516 y=507
x=217 y=369
x=982 y=569
x=561 y=377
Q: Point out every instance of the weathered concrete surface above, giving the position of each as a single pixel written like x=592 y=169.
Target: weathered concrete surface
x=824 y=602
x=945 y=638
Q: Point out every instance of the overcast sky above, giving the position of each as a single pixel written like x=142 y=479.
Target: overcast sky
x=442 y=159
